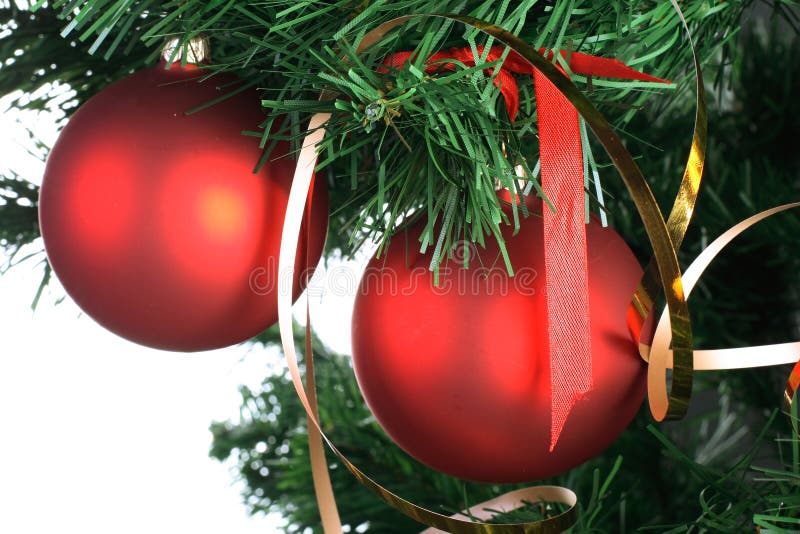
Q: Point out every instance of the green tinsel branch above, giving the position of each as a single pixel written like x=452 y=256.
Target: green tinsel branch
x=463 y=143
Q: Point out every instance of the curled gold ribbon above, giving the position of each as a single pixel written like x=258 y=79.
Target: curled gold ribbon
x=659 y=356
x=673 y=405
x=331 y=523
x=738 y=358
x=664 y=257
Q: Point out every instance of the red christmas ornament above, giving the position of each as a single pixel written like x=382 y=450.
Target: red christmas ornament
x=459 y=375
x=154 y=221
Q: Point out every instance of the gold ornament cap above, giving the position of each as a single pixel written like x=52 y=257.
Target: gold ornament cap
x=197 y=50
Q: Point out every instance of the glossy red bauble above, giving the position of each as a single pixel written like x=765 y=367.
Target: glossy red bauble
x=459 y=375
x=154 y=221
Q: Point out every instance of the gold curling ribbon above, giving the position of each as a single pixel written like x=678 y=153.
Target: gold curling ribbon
x=738 y=358
x=664 y=256
x=659 y=356
x=673 y=405
x=330 y=518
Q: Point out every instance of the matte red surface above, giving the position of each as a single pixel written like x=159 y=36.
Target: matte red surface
x=154 y=221
x=459 y=375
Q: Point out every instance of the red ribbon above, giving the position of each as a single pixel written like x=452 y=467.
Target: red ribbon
x=514 y=63
x=561 y=155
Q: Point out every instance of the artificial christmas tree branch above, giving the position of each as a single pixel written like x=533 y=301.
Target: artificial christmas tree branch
x=293 y=50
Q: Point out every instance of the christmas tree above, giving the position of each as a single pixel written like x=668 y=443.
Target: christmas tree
x=426 y=125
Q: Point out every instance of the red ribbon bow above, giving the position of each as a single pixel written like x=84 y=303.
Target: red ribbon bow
x=514 y=63
x=561 y=155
